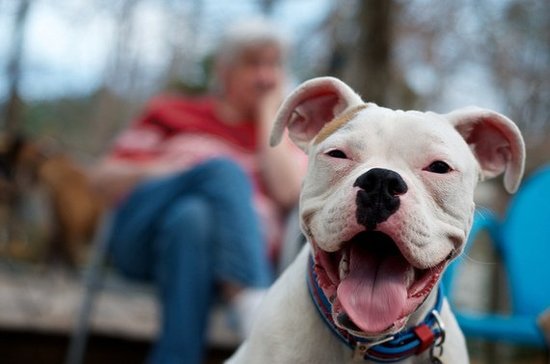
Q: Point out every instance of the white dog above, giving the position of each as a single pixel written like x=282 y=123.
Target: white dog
x=387 y=203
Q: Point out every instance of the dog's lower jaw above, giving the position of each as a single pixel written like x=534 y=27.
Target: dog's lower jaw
x=374 y=345
x=404 y=323
x=372 y=294
x=343 y=321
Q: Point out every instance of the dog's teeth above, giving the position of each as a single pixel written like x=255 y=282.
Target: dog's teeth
x=409 y=277
x=343 y=267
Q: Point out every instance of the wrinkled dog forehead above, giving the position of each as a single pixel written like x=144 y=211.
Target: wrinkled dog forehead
x=372 y=129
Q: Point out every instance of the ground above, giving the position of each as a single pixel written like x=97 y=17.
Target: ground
x=39 y=306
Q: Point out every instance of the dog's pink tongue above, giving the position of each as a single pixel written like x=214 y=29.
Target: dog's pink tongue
x=374 y=293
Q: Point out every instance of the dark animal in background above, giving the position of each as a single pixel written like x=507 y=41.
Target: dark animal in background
x=75 y=208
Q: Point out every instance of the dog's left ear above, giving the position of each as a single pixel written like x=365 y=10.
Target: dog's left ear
x=308 y=108
x=495 y=141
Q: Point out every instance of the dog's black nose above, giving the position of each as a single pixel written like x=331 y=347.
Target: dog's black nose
x=378 y=197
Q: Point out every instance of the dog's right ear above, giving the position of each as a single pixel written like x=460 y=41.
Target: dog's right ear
x=496 y=142
x=308 y=108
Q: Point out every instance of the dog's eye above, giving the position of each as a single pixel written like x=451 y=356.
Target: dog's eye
x=336 y=153
x=439 y=167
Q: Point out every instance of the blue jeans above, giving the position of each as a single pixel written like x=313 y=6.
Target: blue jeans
x=186 y=233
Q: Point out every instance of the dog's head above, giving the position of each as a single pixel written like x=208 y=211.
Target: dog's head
x=388 y=198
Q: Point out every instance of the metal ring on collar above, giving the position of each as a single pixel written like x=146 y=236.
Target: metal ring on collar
x=440 y=340
x=441 y=325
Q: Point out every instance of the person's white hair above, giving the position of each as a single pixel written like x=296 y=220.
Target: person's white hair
x=248 y=33
x=242 y=36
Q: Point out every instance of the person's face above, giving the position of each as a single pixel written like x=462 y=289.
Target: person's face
x=254 y=73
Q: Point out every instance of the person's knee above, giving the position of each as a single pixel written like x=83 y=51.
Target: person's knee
x=226 y=172
x=187 y=221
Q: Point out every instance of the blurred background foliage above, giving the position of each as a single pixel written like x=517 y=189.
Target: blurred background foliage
x=77 y=71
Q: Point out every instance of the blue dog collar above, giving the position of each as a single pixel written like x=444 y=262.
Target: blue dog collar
x=430 y=334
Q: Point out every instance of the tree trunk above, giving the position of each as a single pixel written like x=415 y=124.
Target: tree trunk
x=370 y=66
x=12 y=112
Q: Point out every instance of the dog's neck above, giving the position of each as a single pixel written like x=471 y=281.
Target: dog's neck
x=424 y=328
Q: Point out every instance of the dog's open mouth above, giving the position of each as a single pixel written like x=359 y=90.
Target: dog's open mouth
x=371 y=285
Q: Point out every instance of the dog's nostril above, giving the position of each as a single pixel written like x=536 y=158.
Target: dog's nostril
x=370 y=183
x=397 y=186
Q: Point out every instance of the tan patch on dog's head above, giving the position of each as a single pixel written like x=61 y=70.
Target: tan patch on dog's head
x=337 y=123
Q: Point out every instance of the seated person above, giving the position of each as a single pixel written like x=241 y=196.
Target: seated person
x=199 y=195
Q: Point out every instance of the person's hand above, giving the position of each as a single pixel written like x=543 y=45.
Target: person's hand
x=113 y=179
x=267 y=110
x=112 y=182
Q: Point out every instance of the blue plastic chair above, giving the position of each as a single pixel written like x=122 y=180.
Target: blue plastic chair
x=522 y=240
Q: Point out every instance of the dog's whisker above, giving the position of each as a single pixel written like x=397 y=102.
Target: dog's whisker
x=466 y=257
x=476 y=261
